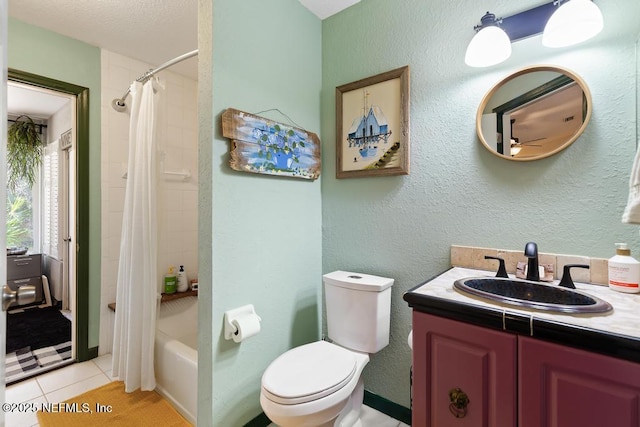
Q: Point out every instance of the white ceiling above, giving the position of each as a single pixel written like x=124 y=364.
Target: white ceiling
x=22 y=99
x=325 y=8
x=153 y=31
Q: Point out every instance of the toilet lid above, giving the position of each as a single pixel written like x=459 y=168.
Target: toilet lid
x=308 y=372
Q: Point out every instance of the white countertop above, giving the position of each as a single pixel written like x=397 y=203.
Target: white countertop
x=623 y=320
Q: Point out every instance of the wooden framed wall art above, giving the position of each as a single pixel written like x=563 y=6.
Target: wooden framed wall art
x=260 y=145
x=372 y=126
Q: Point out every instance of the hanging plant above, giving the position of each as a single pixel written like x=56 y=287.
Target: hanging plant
x=24 y=151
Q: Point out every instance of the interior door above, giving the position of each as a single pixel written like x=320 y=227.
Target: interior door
x=4 y=22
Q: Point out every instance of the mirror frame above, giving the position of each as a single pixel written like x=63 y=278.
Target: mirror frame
x=518 y=73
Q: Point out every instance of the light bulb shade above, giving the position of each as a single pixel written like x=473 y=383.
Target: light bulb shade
x=574 y=22
x=490 y=46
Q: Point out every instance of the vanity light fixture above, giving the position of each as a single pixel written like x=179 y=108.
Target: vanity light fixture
x=490 y=45
x=574 y=22
x=516 y=147
x=561 y=23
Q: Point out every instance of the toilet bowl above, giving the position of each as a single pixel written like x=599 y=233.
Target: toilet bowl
x=313 y=385
x=319 y=384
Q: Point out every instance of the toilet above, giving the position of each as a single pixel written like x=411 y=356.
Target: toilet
x=320 y=384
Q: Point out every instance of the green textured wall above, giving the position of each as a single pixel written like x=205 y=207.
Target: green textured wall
x=45 y=53
x=266 y=245
x=457 y=192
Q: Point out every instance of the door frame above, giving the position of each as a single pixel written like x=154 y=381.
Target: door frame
x=83 y=352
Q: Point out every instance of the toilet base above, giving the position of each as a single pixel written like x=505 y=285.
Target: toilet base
x=350 y=416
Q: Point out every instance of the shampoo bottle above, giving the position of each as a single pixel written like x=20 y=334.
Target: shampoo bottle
x=183 y=285
x=624 y=270
x=170 y=282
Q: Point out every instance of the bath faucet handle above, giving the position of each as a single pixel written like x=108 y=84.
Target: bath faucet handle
x=531 y=249
x=502 y=270
x=531 y=252
x=566 y=280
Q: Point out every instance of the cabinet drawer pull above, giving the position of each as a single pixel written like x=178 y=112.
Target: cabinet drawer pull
x=459 y=401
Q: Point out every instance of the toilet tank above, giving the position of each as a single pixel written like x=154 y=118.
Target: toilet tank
x=358 y=310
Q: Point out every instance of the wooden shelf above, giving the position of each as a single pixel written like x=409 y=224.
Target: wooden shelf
x=178 y=295
x=165 y=297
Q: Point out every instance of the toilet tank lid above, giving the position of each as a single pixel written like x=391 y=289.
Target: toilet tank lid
x=358 y=281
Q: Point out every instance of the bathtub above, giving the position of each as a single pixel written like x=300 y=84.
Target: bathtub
x=176 y=355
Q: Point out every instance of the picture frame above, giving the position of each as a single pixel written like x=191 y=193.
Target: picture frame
x=372 y=126
x=263 y=146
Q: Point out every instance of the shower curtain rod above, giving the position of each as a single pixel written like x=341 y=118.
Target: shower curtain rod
x=119 y=104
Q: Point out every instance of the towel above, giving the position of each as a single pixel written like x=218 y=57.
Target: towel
x=631 y=213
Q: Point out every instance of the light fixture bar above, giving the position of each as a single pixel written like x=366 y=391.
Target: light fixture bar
x=561 y=22
x=528 y=23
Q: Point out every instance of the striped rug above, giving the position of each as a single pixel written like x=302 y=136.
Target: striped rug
x=24 y=363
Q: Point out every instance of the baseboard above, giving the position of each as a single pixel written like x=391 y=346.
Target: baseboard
x=372 y=400
x=93 y=352
x=387 y=407
x=260 y=421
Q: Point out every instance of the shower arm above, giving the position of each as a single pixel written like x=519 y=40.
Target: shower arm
x=120 y=105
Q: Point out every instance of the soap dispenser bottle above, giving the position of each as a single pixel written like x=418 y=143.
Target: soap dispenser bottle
x=183 y=285
x=624 y=270
x=170 y=282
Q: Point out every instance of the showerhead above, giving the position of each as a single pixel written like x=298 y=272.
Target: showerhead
x=119 y=105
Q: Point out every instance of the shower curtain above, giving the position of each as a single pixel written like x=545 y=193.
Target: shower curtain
x=137 y=296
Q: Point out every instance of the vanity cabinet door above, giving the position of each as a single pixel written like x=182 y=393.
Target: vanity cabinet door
x=566 y=387
x=480 y=362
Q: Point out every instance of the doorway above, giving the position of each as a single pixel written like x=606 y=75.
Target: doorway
x=57 y=241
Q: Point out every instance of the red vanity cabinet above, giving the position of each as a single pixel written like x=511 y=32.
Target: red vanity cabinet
x=566 y=387
x=481 y=362
x=515 y=380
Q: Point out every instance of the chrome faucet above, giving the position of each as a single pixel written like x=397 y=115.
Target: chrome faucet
x=531 y=252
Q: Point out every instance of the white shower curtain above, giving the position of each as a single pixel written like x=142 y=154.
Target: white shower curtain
x=137 y=288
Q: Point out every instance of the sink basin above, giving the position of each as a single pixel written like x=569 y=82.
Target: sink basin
x=532 y=295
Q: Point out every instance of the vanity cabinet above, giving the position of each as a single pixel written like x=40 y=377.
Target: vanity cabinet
x=480 y=362
x=514 y=380
x=563 y=386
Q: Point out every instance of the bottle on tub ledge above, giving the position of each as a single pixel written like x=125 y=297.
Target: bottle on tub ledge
x=183 y=283
x=170 y=281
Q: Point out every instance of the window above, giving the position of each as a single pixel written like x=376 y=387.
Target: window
x=20 y=216
x=50 y=208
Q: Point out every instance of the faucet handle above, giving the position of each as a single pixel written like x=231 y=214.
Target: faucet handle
x=566 y=280
x=502 y=270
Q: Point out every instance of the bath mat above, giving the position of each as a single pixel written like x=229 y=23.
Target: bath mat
x=20 y=363
x=119 y=409
x=51 y=355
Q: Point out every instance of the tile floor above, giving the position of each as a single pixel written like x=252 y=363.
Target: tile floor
x=72 y=380
x=56 y=386
x=373 y=418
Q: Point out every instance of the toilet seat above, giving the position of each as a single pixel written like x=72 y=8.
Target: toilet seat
x=308 y=372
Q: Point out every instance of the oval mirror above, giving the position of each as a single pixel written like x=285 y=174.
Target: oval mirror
x=534 y=113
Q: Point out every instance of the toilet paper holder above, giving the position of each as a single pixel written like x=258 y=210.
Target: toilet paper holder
x=237 y=313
